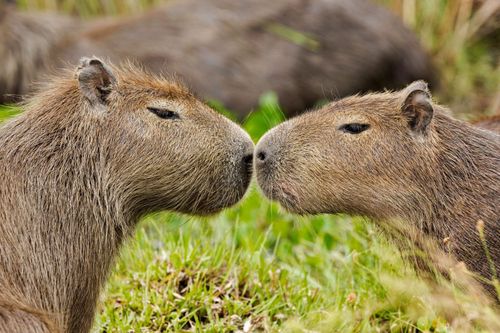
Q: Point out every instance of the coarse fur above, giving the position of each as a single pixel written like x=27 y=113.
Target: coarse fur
x=85 y=160
x=412 y=164
x=234 y=51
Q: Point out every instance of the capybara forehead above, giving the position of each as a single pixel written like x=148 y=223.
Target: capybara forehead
x=134 y=87
x=370 y=104
x=138 y=92
x=135 y=83
x=373 y=108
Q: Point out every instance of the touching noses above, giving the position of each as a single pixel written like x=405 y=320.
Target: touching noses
x=264 y=152
x=247 y=158
x=261 y=156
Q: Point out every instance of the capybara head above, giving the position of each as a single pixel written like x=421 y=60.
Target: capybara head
x=156 y=146
x=356 y=155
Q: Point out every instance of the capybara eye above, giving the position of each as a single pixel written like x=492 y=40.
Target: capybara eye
x=354 y=128
x=164 y=113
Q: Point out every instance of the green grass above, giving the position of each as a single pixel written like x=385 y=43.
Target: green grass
x=250 y=264
x=255 y=267
x=7 y=112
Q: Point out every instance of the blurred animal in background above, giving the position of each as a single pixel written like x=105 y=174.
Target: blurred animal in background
x=230 y=51
x=28 y=43
x=491 y=123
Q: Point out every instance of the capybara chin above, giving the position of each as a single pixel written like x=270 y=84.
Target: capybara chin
x=91 y=154
x=391 y=156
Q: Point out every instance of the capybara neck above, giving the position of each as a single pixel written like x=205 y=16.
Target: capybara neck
x=77 y=216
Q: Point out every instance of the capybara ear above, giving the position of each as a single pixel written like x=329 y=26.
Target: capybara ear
x=96 y=80
x=417 y=106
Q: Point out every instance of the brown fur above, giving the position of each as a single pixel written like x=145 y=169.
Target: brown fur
x=491 y=123
x=234 y=51
x=80 y=166
x=414 y=164
x=28 y=43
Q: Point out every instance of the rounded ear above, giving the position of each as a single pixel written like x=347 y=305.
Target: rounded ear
x=96 y=80
x=417 y=106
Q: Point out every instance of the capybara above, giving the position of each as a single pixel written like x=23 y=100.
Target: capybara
x=491 y=123
x=28 y=43
x=392 y=157
x=90 y=155
x=233 y=51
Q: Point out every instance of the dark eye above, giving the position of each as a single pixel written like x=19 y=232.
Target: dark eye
x=164 y=113
x=354 y=128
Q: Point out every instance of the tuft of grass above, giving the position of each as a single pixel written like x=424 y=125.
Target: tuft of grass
x=7 y=112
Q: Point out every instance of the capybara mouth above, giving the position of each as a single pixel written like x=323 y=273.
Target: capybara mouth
x=246 y=180
x=289 y=198
x=284 y=194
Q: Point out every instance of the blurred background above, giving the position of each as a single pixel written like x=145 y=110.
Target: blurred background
x=255 y=267
x=232 y=52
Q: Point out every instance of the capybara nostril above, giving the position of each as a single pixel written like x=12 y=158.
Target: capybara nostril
x=247 y=160
x=261 y=156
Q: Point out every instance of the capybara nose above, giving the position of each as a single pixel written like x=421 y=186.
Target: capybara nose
x=262 y=156
x=248 y=152
x=247 y=160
